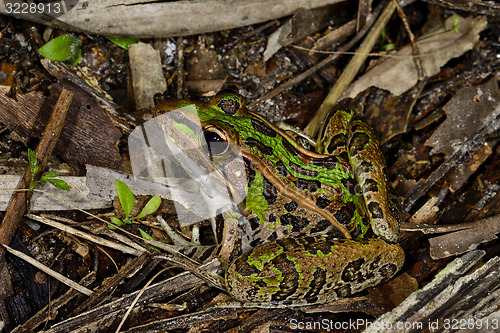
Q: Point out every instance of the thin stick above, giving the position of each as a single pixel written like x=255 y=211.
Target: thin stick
x=54 y=274
x=84 y=235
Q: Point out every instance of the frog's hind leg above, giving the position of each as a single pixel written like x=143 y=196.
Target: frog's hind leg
x=368 y=164
x=300 y=271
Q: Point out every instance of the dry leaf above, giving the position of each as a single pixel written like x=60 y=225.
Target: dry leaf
x=399 y=73
x=471 y=109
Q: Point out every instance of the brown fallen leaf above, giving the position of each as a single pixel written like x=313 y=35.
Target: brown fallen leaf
x=399 y=73
x=471 y=109
x=88 y=135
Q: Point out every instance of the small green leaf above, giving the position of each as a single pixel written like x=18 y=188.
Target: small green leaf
x=51 y=175
x=150 y=207
x=33 y=163
x=76 y=60
x=47 y=177
x=147 y=236
x=60 y=184
x=117 y=221
x=31 y=157
x=123 y=42
x=389 y=47
x=62 y=48
x=455 y=25
x=126 y=197
x=33 y=184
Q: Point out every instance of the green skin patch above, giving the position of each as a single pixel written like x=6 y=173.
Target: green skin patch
x=255 y=201
x=261 y=260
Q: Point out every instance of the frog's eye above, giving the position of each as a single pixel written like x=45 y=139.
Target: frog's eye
x=216 y=141
x=229 y=105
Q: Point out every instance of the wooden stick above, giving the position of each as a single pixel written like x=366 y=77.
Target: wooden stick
x=20 y=199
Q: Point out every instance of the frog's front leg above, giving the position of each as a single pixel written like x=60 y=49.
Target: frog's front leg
x=310 y=270
x=349 y=136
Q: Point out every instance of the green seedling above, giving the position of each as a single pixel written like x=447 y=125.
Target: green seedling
x=123 y=42
x=50 y=177
x=62 y=48
x=126 y=198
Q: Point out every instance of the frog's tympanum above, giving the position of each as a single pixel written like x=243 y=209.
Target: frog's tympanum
x=316 y=226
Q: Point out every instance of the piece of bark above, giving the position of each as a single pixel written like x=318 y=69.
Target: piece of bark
x=78 y=196
x=50 y=311
x=146 y=74
x=461 y=241
x=126 y=122
x=470 y=110
x=168 y=18
x=88 y=136
x=423 y=306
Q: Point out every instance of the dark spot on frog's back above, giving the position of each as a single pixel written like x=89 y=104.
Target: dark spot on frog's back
x=280 y=166
x=322 y=202
x=315 y=247
x=260 y=127
x=254 y=223
x=364 y=167
x=345 y=213
x=350 y=184
x=303 y=171
x=251 y=142
x=337 y=141
x=256 y=242
x=327 y=162
x=311 y=185
x=289 y=147
x=375 y=210
x=290 y=275
x=358 y=142
x=322 y=225
x=316 y=285
x=272 y=237
x=269 y=191
x=370 y=185
x=298 y=223
x=353 y=272
x=344 y=291
x=250 y=171
x=291 y=206
x=387 y=271
x=244 y=268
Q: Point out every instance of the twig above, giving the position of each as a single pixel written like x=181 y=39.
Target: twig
x=180 y=68
x=416 y=52
x=84 y=235
x=54 y=274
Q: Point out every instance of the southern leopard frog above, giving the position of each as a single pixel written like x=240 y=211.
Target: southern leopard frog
x=316 y=226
